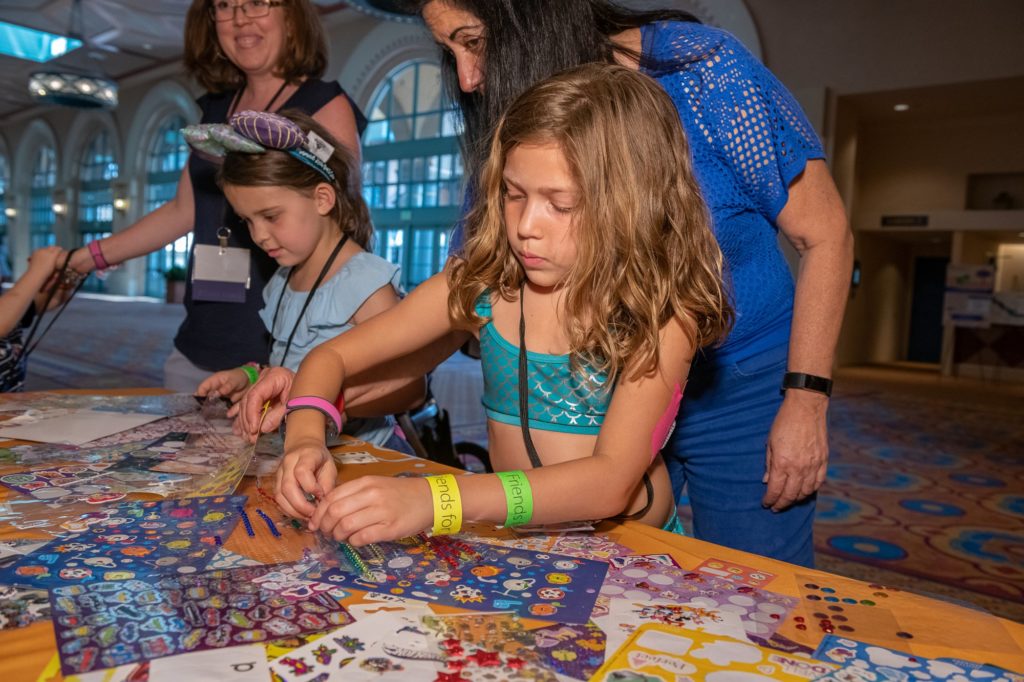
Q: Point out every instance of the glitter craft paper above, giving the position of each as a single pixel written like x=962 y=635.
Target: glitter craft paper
x=107 y=624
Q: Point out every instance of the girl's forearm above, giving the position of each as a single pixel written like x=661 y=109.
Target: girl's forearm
x=581 y=489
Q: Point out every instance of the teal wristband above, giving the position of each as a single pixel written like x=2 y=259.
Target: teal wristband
x=518 y=497
x=251 y=372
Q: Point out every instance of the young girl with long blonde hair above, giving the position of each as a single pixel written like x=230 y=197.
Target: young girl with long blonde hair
x=591 y=279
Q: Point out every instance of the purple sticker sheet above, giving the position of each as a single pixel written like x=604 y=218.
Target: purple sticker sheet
x=131 y=540
x=532 y=584
x=761 y=612
x=106 y=624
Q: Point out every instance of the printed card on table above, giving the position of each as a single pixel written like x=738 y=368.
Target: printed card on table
x=107 y=624
x=660 y=652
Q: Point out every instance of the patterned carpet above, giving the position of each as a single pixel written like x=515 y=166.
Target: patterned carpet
x=930 y=488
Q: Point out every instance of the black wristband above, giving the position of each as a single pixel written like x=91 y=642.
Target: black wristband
x=807 y=382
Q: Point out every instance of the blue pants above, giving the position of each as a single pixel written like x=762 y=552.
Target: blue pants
x=718 y=453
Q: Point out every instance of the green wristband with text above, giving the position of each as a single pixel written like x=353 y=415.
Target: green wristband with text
x=518 y=497
x=251 y=372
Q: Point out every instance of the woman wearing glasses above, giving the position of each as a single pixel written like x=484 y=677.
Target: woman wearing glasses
x=260 y=55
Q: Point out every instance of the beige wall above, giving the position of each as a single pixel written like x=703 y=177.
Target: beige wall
x=919 y=167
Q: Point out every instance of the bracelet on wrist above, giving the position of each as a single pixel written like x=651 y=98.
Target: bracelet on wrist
x=252 y=372
x=97 y=255
x=444 y=491
x=325 y=407
x=518 y=498
x=807 y=382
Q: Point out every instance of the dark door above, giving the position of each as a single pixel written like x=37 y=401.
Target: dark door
x=926 y=310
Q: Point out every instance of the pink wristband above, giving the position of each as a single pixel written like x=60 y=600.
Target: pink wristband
x=97 y=255
x=312 y=402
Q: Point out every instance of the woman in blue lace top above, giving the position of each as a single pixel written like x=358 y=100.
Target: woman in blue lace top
x=750 y=455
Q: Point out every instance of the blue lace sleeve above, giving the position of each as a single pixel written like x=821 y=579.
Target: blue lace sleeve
x=744 y=115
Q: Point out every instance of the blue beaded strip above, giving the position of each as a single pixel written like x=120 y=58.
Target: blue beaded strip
x=247 y=522
x=270 y=524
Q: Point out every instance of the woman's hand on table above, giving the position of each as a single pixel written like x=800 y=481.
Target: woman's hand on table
x=307 y=469
x=231 y=383
x=274 y=385
x=374 y=509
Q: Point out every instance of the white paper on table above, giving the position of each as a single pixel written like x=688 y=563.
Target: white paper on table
x=234 y=664
x=78 y=427
x=623 y=618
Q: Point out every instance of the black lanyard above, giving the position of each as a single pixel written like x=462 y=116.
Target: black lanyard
x=309 y=297
x=524 y=416
x=238 y=96
x=26 y=348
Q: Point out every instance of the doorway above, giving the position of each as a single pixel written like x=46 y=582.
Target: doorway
x=925 y=339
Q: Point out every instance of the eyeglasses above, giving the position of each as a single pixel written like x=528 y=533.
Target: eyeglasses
x=222 y=10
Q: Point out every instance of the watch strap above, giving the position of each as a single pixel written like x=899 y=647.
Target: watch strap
x=807 y=382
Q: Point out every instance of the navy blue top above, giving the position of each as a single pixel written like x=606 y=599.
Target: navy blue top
x=216 y=336
x=749 y=140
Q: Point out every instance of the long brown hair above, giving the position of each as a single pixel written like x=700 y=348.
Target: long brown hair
x=645 y=250
x=304 y=56
x=275 y=168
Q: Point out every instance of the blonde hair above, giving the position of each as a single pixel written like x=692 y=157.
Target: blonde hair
x=645 y=250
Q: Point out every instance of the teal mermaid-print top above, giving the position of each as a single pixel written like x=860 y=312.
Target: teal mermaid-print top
x=558 y=398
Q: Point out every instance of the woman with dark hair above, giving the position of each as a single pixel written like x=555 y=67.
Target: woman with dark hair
x=750 y=452
x=259 y=55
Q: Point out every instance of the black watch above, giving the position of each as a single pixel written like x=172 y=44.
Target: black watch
x=807 y=382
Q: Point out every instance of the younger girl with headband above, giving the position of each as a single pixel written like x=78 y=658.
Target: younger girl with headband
x=591 y=278
x=297 y=191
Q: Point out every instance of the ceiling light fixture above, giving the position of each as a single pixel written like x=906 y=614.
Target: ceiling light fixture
x=67 y=88
x=901 y=107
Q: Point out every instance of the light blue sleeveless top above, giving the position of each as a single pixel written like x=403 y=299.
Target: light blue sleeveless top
x=558 y=398
x=329 y=314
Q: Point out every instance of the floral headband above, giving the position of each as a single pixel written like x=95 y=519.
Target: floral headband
x=255 y=132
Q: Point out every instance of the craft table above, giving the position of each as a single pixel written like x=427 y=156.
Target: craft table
x=870 y=613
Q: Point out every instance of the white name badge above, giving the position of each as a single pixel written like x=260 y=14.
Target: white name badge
x=220 y=273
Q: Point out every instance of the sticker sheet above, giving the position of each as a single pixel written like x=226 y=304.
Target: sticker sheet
x=762 y=612
x=660 y=652
x=107 y=624
x=575 y=651
x=863 y=662
x=131 y=540
x=532 y=584
x=383 y=647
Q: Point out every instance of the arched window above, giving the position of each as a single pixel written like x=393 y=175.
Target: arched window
x=41 y=217
x=5 y=253
x=412 y=169
x=168 y=154
x=95 y=195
